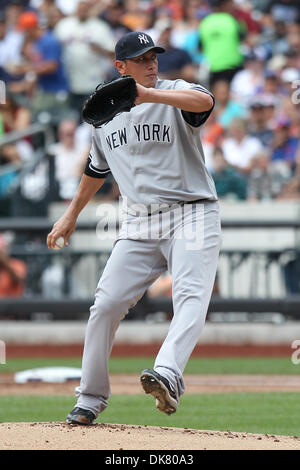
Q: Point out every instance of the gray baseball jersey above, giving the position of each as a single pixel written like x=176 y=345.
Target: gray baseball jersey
x=154 y=153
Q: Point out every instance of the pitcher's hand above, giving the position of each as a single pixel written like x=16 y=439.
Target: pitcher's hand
x=64 y=227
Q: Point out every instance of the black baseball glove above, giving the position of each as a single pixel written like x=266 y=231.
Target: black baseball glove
x=110 y=99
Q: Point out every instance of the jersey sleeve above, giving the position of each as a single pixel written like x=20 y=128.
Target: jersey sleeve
x=194 y=119
x=96 y=166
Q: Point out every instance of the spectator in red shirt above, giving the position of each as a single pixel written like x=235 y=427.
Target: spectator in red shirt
x=12 y=273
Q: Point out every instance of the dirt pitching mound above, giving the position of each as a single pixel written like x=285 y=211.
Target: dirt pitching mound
x=60 y=436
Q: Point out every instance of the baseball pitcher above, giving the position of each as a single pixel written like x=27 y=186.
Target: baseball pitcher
x=171 y=219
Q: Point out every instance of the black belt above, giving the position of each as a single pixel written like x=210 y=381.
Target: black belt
x=179 y=203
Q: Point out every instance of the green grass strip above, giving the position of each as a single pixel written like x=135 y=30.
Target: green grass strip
x=255 y=365
x=271 y=413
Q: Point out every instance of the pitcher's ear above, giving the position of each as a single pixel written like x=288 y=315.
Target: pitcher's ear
x=121 y=66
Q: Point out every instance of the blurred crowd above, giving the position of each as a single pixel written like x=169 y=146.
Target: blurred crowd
x=53 y=53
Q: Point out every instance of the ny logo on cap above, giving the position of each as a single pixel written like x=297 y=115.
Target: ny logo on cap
x=143 y=38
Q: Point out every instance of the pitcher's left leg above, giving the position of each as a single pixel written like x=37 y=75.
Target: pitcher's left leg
x=193 y=265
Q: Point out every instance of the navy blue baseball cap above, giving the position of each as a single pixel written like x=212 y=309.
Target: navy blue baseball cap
x=135 y=44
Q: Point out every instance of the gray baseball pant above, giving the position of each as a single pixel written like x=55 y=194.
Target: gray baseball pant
x=132 y=267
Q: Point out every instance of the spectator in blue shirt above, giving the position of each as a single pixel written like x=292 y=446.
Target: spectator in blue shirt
x=45 y=80
x=43 y=52
x=48 y=55
x=285 y=147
